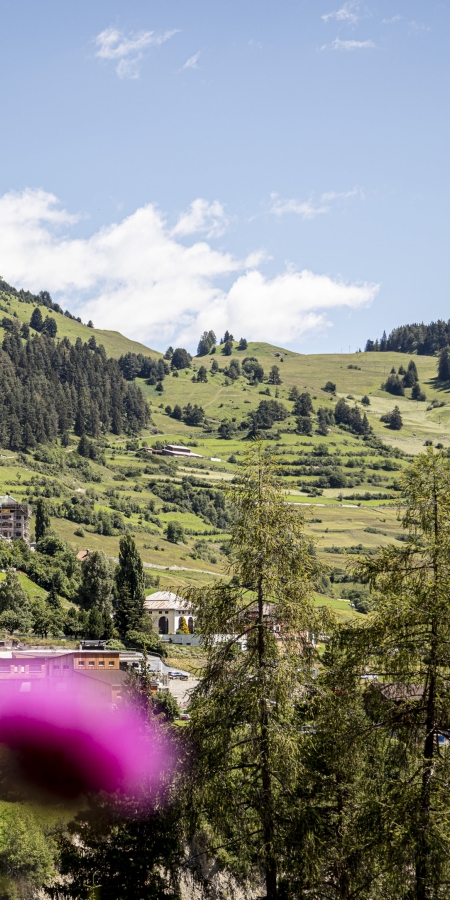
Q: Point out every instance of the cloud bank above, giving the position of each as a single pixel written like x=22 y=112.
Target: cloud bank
x=138 y=277
x=128 y=49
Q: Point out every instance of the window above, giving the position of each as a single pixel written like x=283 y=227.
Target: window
x=91 y=663
x=55 y=666
x=101 y=663
x=5 y=667
x=65 y=666
x=111 y=662
x=81 y=663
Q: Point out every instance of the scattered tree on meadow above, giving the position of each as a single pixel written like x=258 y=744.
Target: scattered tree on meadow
x=97 y=582
x=274 y=376
x=207 y=341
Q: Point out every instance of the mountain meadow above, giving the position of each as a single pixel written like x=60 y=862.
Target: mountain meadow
x=99 y=484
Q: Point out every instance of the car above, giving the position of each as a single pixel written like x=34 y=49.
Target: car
x=185 y=717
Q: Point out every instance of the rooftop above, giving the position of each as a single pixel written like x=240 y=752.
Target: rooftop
x=165 y=600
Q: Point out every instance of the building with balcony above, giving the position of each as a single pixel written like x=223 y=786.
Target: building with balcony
x=14 y=519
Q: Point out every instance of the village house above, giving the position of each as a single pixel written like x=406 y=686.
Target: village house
x=166 y=610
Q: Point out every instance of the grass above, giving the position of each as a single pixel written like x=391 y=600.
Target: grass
x=346 y=521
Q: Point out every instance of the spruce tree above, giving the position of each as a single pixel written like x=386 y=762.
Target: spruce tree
x=130 y=584
x=97 y=582
x=444 y=364
x=36 y=320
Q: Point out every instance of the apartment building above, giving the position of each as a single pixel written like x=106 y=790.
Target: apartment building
x=14 y=519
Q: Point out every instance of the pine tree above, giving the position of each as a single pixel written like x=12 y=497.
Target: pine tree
x=130 y=585
x=42 y=522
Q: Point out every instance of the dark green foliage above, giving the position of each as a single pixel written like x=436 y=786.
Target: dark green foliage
x=274 y=376
x=36 y=320
x=214 y=367
x=202 y=375
x=97 y=582
x=267 y=413
x=393 y=385
x=393 y=419
x=304 y=425
x=46 y=388
x=325 y=418
x=42 y=520
x=253 y=369
x=130 y=585
x=422 y=339
x=207 y=341
x=166 y=706
x=233 y=371
x=89 y=449
x=193 y=415
x=227 y=429
x=417 y=393
x=365 y=400
x=177 y=412
x=14 y=605
x=124 y=852
x=351 y=416
x=190 y=497
x=410 y=377
x=330 y=387
x=134 y=365
x=174 y=532
x=227 y=348
x=444 y=364
x=242 y=344
x=303 y=405
x=181 y=359
x=146 y=640
x=49 y=327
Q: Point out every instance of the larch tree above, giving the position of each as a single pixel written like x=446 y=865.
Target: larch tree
x=243 y=720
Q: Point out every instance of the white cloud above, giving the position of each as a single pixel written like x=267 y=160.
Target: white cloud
x=191 y=63
x=344 y=14
x=136 y=277
x=390 y=21
x=417 y=27
x=307 y=209
x=304 y=208
x=337 y=44
x=202 y=217
x=128 y=50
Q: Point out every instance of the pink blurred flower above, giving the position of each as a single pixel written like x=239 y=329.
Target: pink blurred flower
x=64 y=747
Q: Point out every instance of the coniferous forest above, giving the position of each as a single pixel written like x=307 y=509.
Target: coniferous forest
x=48 y=388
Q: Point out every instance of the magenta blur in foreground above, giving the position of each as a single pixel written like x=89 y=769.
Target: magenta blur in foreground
x=61 y=747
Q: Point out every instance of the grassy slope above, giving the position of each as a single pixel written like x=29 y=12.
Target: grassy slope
x=115 y=343
x=342 y=524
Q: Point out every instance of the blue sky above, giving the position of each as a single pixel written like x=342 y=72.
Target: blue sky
x=276 y=168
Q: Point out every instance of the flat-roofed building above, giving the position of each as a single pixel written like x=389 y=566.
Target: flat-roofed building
x=14 y=519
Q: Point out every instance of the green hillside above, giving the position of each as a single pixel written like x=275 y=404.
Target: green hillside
x=346 y=484
x=114 y=343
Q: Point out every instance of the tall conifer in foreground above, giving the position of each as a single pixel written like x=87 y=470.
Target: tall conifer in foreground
x=243 y=728
x=407 y=645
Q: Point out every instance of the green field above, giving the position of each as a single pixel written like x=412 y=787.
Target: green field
x=342 y=520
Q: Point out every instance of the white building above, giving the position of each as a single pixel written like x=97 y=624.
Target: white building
x=166 y=610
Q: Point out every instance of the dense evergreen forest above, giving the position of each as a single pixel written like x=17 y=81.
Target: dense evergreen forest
x=423 y=339
x=48 y=388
